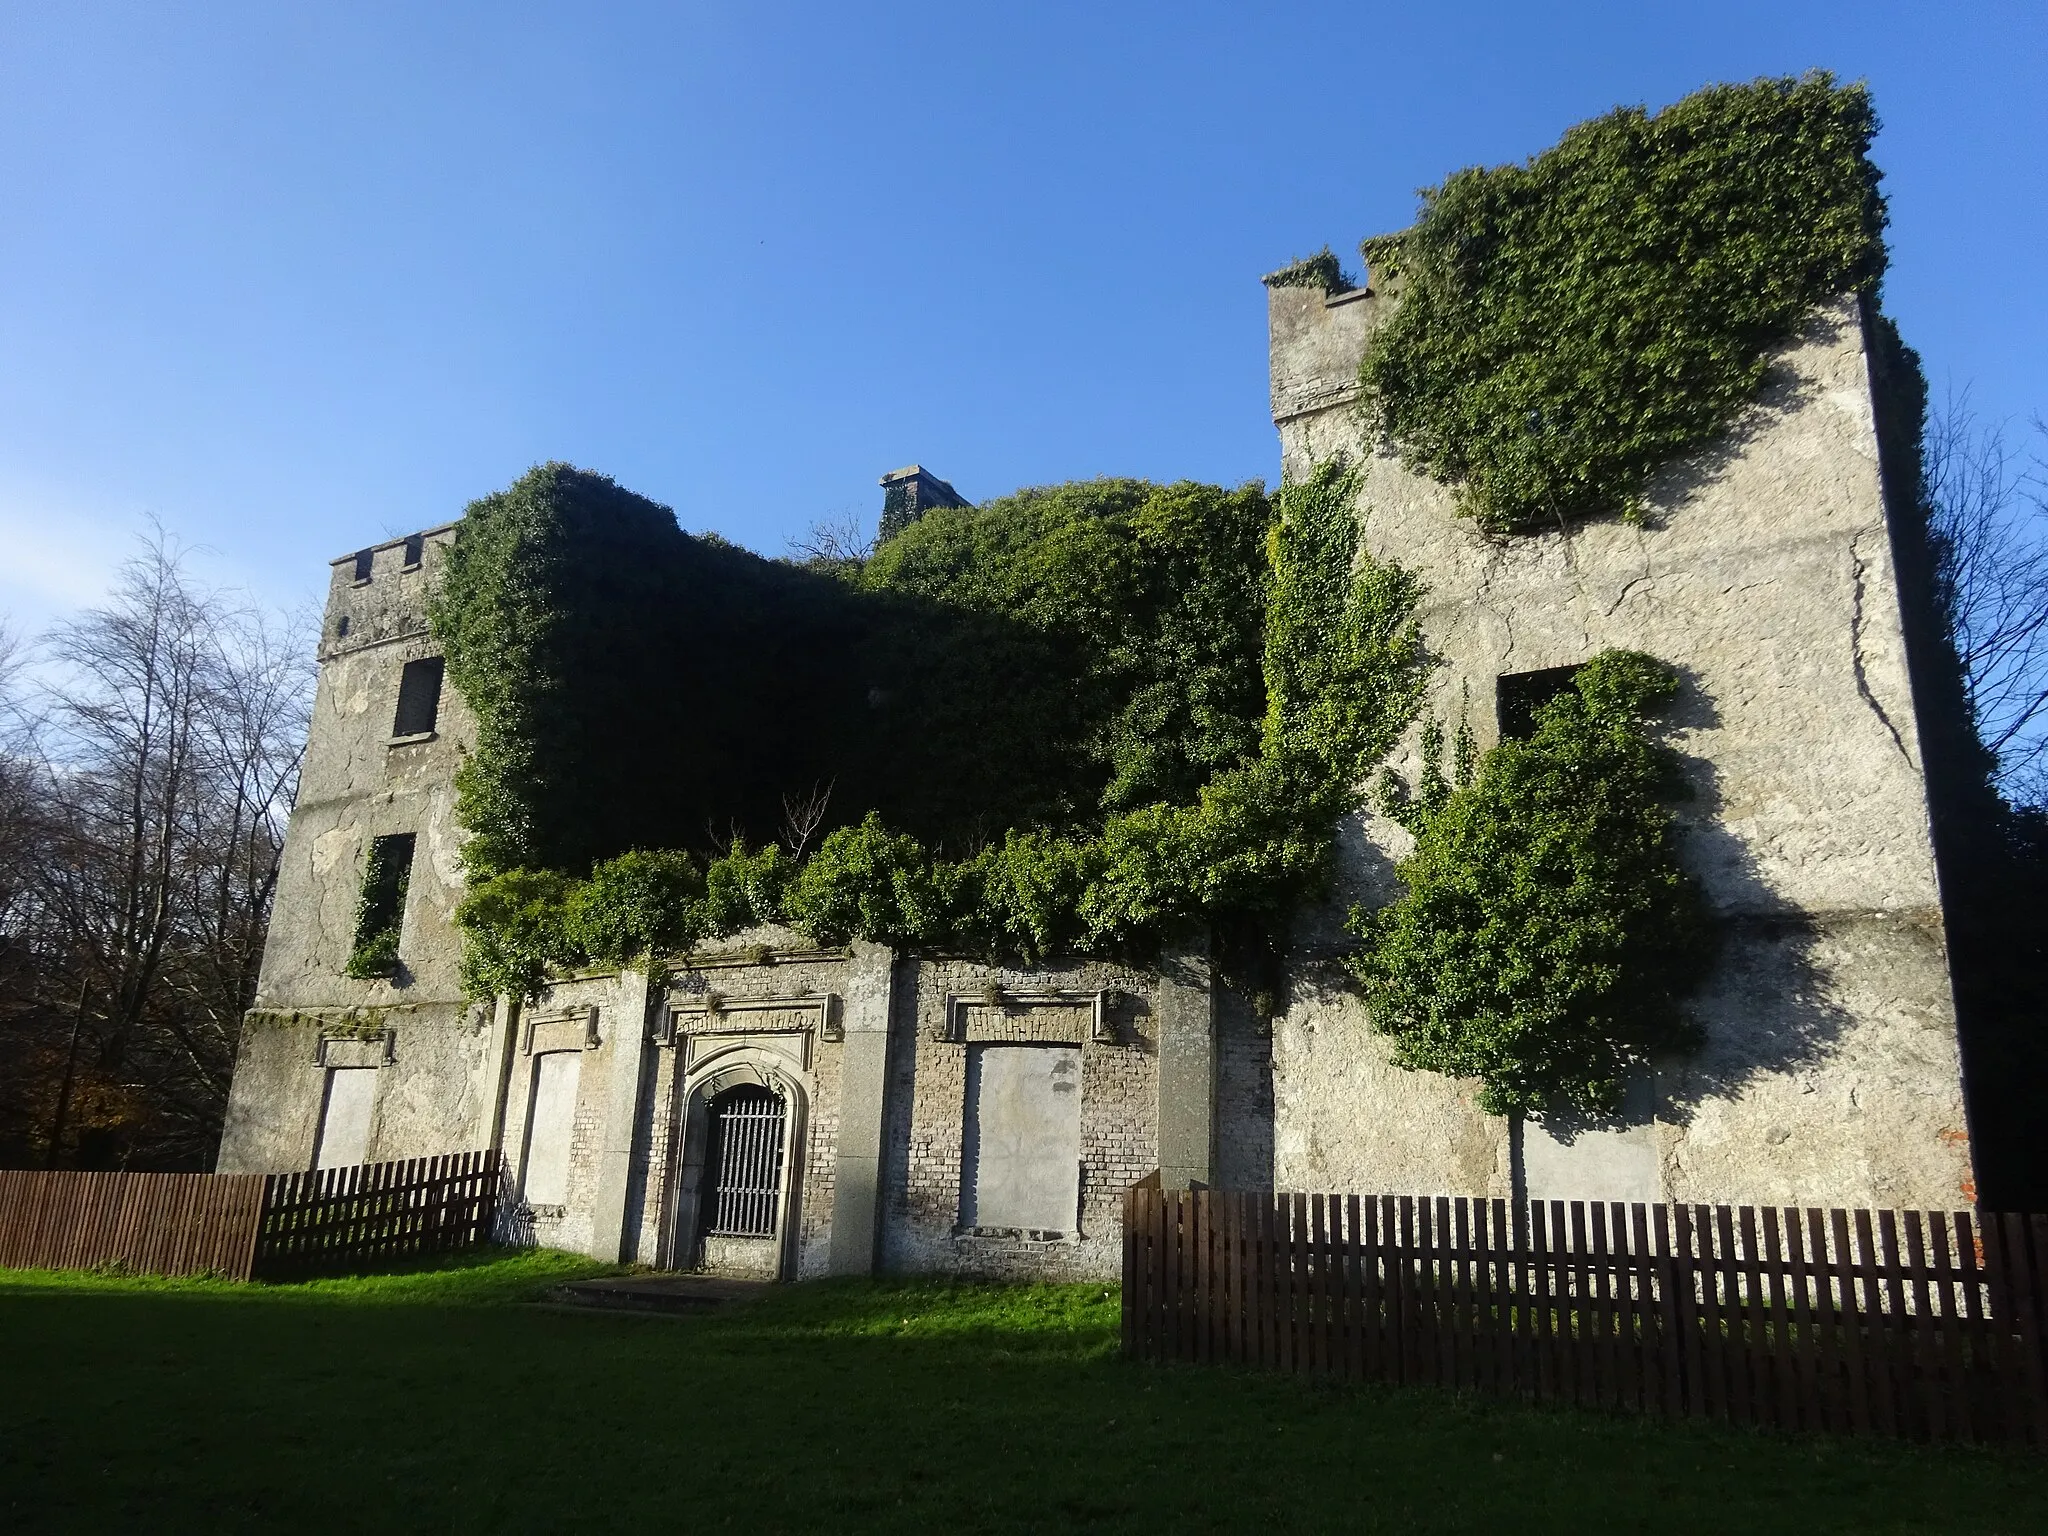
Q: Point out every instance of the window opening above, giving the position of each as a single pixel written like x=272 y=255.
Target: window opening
x=419 y=697
x=363 y=557
x=746 y=1159
x=415 y=546
x=381 y=913
x=1518 y=695
x=341 y=627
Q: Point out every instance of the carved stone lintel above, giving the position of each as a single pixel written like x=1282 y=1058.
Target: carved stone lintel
x=374 y=1050
x=951 y=1026
x=561 y=1029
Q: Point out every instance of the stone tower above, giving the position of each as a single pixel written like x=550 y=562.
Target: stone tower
x=1765 y=573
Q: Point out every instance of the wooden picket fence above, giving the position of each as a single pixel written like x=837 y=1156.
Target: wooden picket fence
x=248 y=1226
x=371 y=1213
x=1921 y=1325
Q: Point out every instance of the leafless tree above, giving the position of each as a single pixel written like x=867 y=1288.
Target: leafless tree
x=802 y=815
x=1989 y=524
x=839 y=540
x=160 y=760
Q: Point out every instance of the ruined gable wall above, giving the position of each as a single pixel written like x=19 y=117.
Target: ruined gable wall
x=1831 y=1071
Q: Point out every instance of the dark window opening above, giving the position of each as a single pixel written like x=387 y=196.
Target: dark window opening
x=415 y=547
x=380 y=915
x=745 y=1158
x=419 y=698
x=363 y=558
x=341 y=627
x=1518 y=695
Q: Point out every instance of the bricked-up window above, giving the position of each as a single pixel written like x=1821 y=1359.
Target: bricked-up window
x=551 y=1127
x=415 y=546
x=419 y=697
x=380 y=915
x=363 y=558
x=1022 y=1162
x=1518 y=695
x=345 y=1117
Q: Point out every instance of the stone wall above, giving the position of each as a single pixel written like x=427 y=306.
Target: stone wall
x=1764 y=573
x=433 y=1093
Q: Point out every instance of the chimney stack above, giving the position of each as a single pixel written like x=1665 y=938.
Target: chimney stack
x=909 y=493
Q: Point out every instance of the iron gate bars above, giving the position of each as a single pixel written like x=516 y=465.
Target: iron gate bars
x=747 y=1126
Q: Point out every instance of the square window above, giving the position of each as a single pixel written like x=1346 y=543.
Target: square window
x=415 y=547
x=551 y=1127
x=345 y=1117
x=380 y=916
x=364 y=558
x=1518 y=695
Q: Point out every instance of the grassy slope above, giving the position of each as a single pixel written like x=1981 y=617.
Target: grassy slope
x=423 y=1402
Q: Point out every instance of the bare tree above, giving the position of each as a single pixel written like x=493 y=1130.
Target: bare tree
x=1989 y=526
x=839 y=540
x=802 y=815
x=161 y=761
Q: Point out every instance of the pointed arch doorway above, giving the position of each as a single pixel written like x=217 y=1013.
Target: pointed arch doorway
x=741 y=1135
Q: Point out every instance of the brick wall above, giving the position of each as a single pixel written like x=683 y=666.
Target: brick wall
x=924 y=1136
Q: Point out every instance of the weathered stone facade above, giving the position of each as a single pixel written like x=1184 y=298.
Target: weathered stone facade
x=1764 y=571
x=891 y=1129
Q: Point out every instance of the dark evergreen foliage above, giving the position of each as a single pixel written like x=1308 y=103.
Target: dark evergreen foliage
x=1568 y=326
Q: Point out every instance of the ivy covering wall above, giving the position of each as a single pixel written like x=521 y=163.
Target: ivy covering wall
x=1547 y=931
x=1086 y=719
x=1568 y=326
x=1105 y=717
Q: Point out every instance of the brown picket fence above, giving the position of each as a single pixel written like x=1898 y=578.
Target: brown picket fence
x=371 y=1213
x=243 y=1226
x=1921 y=1325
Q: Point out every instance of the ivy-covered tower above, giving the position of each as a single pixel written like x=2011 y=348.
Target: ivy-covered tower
x=1762 y=567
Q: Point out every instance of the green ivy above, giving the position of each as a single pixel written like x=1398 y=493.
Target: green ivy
x=1191 y=757
x=1321 y=271
x=1547 y=931
x=1566 y=327
x=514 y=932
x=380 y=909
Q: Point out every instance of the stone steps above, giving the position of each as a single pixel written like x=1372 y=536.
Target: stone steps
x=671 y=1294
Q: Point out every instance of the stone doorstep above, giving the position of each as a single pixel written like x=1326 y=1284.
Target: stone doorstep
x=656 y=1293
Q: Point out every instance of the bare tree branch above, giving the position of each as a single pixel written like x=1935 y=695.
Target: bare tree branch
x=843 y=539
x=802 y=815
x=143 y=801
x=1989 y=526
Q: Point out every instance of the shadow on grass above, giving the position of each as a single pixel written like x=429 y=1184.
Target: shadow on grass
x=480 y=1277
x=842 y=1405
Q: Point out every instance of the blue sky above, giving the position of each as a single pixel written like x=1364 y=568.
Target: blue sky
x=298 y=277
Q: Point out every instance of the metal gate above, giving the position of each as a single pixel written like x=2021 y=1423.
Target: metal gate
x=746 y=1162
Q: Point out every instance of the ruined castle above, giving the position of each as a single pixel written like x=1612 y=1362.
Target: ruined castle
x=765 y=1106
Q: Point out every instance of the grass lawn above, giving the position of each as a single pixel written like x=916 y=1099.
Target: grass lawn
x=429 y=1401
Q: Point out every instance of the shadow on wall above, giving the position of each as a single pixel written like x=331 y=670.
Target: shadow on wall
x=1783 y=393
x=1766 y=1009
x=1244 y=1093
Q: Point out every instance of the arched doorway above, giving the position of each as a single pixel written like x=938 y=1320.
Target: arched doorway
x=735 y=1204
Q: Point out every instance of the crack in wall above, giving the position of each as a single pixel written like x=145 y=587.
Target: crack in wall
x=1861 y=567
